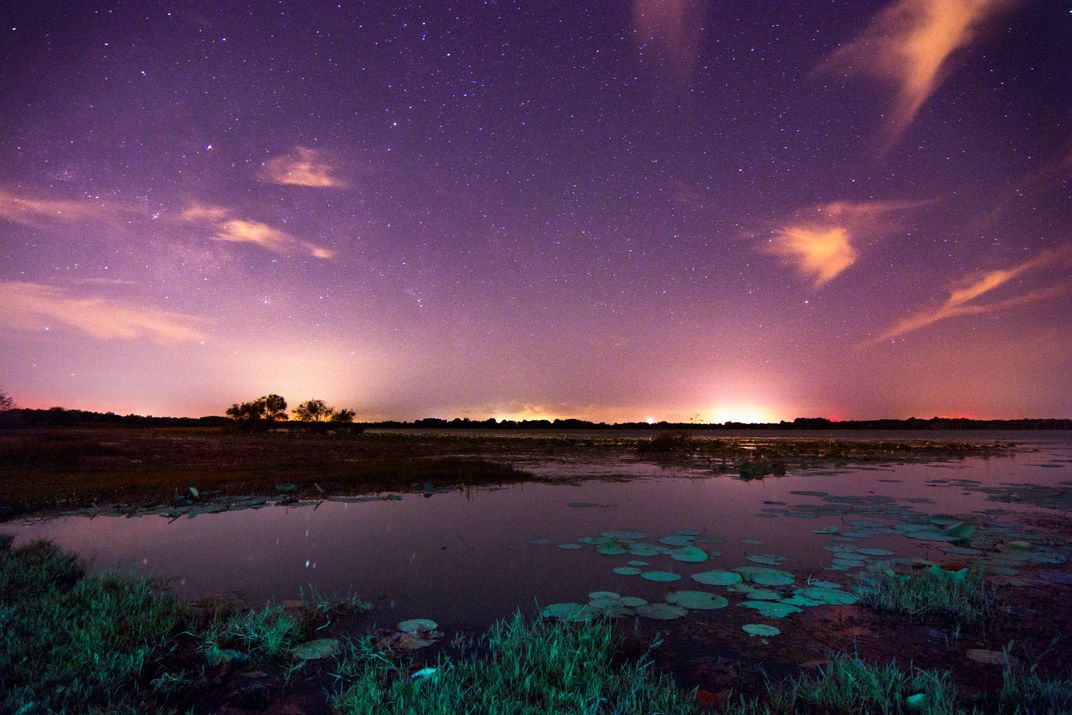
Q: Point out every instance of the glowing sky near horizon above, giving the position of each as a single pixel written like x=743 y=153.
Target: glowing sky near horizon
x=676 y=209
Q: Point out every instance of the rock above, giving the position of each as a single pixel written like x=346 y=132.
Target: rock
x=316 y=649
x=988 y=657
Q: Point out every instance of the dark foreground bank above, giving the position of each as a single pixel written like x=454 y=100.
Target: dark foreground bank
x=117 y=643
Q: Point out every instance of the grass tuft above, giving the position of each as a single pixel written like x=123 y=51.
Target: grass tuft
x=542 y=667
x=269 y=634
x=849 y=685
x=1023 y=692
x=961 y=595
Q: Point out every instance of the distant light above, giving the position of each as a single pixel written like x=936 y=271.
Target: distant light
x=650 y=420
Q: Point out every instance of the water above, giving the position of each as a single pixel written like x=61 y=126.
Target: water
x=465 y=559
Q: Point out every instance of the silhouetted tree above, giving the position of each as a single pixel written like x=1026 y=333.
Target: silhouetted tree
x=6 y=401
x=313 y=411
x=260 y=413
x=320 y=411
x=343 y=416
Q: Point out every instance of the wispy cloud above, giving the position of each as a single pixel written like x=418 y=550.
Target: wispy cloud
x=36 y=306
x=37 y=211
x=963 y=296
x=225 y=227
x=673 y=29
x=301 y=167
x=822 y=243
x=909 y=45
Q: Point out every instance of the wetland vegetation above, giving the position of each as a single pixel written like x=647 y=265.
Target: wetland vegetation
x=784 y=599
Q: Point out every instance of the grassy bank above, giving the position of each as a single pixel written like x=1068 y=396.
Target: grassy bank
x=76 y=468
x=71 y=642
x=107 y=643
x=517 y=668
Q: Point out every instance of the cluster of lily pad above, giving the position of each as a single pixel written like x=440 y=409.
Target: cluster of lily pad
x=767 y=590
x=995 y=546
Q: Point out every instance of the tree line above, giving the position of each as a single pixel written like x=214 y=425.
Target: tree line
x=268 y=410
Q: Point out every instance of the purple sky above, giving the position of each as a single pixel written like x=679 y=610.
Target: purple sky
x=670 y=209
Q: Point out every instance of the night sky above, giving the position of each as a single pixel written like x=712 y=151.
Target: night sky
x=673 y=209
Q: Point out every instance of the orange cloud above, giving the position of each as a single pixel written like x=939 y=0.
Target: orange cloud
x=33 y=306
x=909 y=45
x=237 y=230
x=674 y=28
x=301 y=167
x=36 y=212
x=822 y=246
x=817 y=253
x=962 y=295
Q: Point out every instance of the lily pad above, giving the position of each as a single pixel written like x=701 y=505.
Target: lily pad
x=677 y=540
x=960 y=530
x=766 y=576
x=823 y=584
x=569 y=547
x=644 y=549
x=690 y=554
x=829 y=596
x=320 y=648
x=633 y=601
x=637 y=562
x=771 y=609
x=561 y=610
x=717 y=578
x=626 y=570
x=877 y=552
x=760 y=629
x=660 y=576
x=611 y=549
x=604 y=594
x=930 y=535
x=661 y=611
x=766 y=559
x=625 y=535
x=697 y=600
x=415 y=625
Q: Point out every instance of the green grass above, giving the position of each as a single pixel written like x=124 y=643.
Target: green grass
x=542 y=667
x=848 y=685
x=963 y=596
x=269 y=634
x=77 y=643
x=1023 y=692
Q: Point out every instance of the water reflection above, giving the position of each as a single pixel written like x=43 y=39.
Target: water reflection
x=465 y=558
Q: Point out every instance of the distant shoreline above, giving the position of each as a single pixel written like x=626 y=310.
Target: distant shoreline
x=59 y=417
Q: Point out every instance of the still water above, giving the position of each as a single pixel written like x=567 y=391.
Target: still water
x=467 y=558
